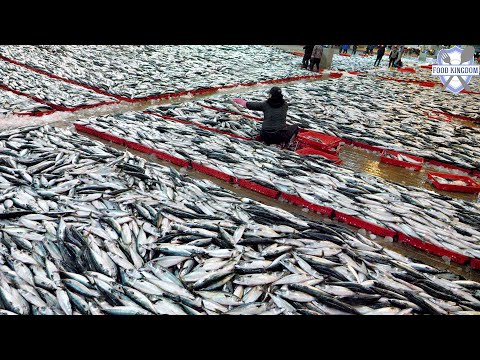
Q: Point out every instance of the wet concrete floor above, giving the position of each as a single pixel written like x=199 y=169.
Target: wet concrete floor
x=361 y=160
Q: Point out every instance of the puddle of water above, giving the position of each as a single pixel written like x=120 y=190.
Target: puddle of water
x=361 y=160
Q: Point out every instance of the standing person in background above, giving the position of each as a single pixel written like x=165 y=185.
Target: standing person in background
x=274 y=125
x=308 y=54
x=380 y=53
x=393 y=56
x=354 y=49
x=399 y=56
x=316 y=57
x=345 y=48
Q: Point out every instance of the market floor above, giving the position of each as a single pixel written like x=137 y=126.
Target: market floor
x=369 y=162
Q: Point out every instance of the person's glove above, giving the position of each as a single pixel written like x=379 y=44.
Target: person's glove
x=240 y=102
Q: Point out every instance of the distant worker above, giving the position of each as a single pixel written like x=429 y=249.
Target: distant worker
x=308 y=54
x=274 y=126
x=354 y=49
x=401 y=51
x=393 y=56
x=380 y=53
x=316 y=57
x=345 y=48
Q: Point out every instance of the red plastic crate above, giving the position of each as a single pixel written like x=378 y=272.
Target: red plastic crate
x=90 y=131
x=475 y=263
x=76 y=108
x=433 y=249
x=171 y=158
x=113 y=138
x=230 y=86
x=310 y=151
x=335 y=74
x=332 y=151
x=305 y=144
x=462 y=117
x=82 y=128
x=212 y=172
x=31 y=113
x=454 y=116
x=203 y=91
x=257 y=188
x=426 y=67
x=448 y=166
x=366 y=146
x=297 y=200
x=473 y=186
x=427 y=83
x=405 y=164
x=297 y=53
x=441 y=117
x=139 y=147
x=348 y=55
x=406 y=69
x=476 y=173
x=320 y=209
x=327 y=143
x=354 y=221
x=471 y=92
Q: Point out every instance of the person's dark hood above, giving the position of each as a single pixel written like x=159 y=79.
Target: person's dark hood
x=276 y=99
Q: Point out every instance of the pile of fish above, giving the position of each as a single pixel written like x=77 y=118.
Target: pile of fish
x=365 y=64
x=86 y=229
x=411 y=60
x=440 y=220
x=445 y=181
x=195 y=112
x=54 y=91
x=140 y=71
x=419 y=75
x=403 y=158
x=384 y=114
x=422 y=98
x=352 y=63
x=13 y=103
